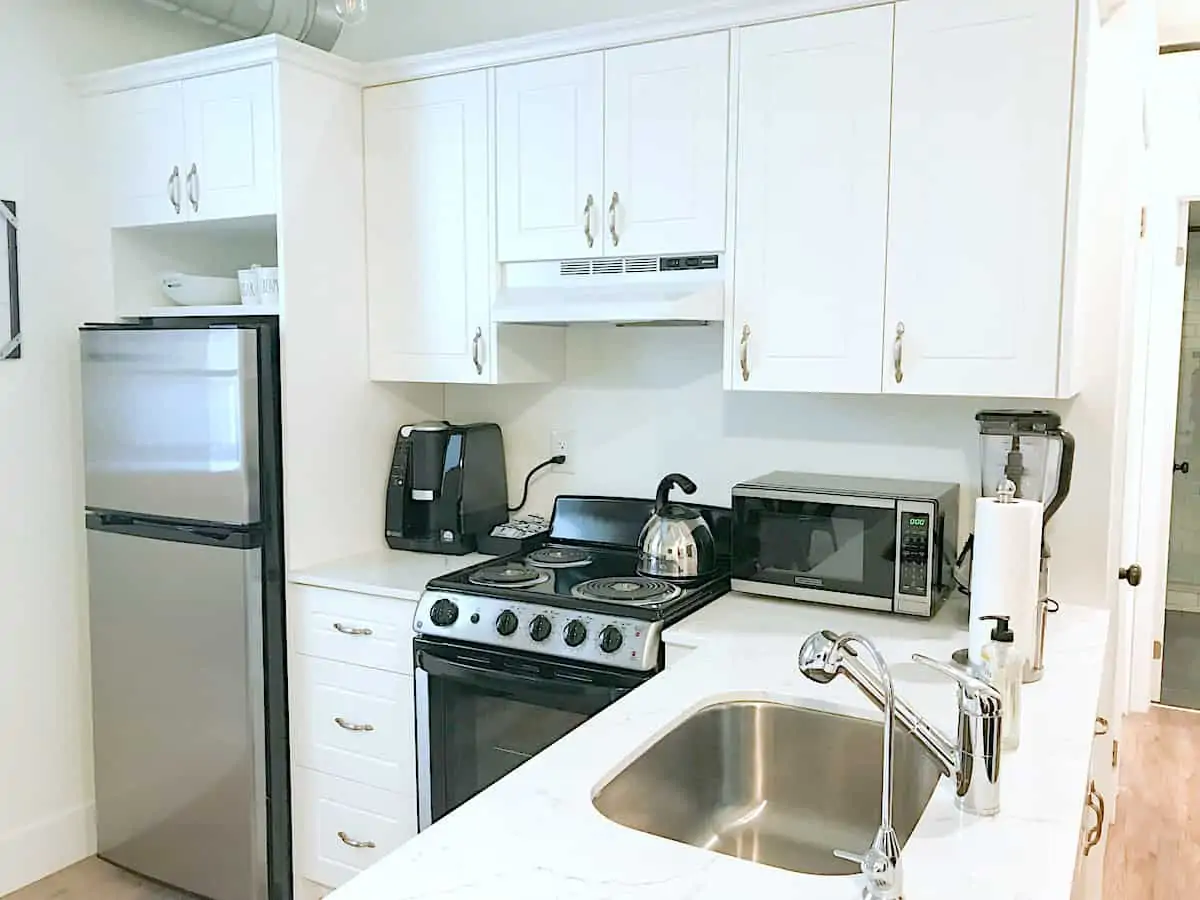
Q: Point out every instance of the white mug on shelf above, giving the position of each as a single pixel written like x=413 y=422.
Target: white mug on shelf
x=259 y=285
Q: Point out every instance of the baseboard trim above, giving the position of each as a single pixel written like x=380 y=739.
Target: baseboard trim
x=32 y=852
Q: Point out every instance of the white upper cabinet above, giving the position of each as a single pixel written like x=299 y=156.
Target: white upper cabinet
x=549 y=158
x=229 y=126
x=144 y=132
x=814 y=100
x=980 y=144
x=614 y=153
x=666 y=114
x=428 y=262
x=193 y=149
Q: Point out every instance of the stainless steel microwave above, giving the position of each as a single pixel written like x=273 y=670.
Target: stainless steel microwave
x=867 y=543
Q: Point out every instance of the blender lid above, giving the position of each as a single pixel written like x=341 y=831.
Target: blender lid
x=1018 y=421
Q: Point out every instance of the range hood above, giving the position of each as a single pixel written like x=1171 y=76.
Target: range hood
x=617 y=290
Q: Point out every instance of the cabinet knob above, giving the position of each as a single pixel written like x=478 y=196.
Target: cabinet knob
x=1183 y=468
x=587 y=221
x=612 y=218
x=1133 y=575
x=357 y=845
x=1095 y=802
x=193 y=187
x=477 y=351
x=173 y=190
x=745 y=353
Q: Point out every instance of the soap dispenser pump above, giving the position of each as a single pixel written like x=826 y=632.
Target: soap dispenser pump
x=1004 y=668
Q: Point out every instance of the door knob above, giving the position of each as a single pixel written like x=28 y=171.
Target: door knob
x=1133 y=575
x=1183 y=468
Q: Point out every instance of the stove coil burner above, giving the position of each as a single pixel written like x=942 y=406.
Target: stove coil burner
x=512 y=575
x=559 y=558
x=633 y=590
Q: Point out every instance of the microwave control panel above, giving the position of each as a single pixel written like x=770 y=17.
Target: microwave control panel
x=916 y=533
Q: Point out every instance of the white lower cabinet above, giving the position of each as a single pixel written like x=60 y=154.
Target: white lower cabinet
x=343 y=827
x=354 y=785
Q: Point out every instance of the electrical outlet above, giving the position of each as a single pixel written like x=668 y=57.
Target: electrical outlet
x=561 y=440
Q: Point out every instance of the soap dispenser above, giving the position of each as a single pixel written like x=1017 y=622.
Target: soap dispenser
x=1005 y=669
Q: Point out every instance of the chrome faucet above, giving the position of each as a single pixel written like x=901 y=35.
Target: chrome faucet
x=973 y=761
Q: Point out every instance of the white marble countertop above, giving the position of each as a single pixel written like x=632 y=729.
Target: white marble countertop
x=536 y=836
x=401 y=574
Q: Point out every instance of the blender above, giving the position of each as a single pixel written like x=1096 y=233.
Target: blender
x=1029 y=448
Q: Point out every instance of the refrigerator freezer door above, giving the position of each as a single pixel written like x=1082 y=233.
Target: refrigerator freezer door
x=171 y=422
x=177 y=685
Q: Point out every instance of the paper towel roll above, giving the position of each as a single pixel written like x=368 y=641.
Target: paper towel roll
x=1004 y=570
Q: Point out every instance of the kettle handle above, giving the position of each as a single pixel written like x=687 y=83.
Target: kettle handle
x=675 y=479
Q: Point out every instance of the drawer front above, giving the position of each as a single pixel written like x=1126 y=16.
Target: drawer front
x=354 y=722
x=355 y=628
x=343 y=827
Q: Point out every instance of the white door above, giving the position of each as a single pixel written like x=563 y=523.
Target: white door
x=980 y=129
x=143 y=130
x=429 y=269
x=666 y=117
x=549 y=158
x=812 y=203
x=230 y=154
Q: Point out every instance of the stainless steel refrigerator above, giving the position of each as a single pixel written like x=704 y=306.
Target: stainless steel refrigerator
x=185 y=576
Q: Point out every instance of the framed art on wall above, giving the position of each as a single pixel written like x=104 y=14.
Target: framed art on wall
x=10 y=293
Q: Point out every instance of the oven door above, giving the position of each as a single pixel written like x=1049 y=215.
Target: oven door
x=814 y=547
x=482 y=713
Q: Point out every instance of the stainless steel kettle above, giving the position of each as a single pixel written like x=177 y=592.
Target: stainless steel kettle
x=676 y=541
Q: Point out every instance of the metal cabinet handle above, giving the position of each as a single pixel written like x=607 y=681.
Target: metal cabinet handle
x=1101 y=726
x=898 y=352
x=173 y=190
x=587 y=220
x=350 y=726
x=354 y=632
x=193 y=187
x=476 y=351
x=357 y=845
x=1095 y=802
x=745 y=353
x=612 y=218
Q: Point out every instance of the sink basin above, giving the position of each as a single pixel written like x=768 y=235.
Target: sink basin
x=779 y=785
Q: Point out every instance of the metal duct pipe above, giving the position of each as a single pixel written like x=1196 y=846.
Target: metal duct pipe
x=312 y=21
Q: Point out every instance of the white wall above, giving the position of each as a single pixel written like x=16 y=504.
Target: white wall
x=399 y=27
x=45 y=738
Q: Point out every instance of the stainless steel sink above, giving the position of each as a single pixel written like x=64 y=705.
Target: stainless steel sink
x=775 y=784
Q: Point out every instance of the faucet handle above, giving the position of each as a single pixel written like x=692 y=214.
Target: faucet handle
x=980 y=693
x=881 y=873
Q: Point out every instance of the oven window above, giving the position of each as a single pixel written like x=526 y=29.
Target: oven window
x=488 y=736
x=830 y=546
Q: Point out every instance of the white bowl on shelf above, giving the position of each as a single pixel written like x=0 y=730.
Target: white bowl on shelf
x=200 y=290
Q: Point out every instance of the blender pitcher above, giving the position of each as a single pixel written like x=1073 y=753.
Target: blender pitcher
x=1029 y=448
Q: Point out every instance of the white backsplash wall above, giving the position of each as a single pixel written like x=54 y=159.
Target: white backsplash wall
x=642 y=402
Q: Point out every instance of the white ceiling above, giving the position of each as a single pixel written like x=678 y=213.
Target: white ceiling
x=1178 y=21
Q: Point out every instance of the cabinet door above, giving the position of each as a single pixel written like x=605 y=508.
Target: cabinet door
x=143 y=135
x=814 y=98
x=981 y=121
x=549 y=152
x=429 y=272
x=230 y=154
x=666 y=116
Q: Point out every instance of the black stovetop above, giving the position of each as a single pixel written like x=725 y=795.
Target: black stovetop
x=605 y=529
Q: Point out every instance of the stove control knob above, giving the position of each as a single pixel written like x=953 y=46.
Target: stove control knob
x=611 y=639
x=506 y=623
x=539 y=628
x=444 y=613
x=575 y=633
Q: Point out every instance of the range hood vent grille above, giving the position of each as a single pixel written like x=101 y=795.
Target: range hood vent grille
x=615 y=266
x=313 y=22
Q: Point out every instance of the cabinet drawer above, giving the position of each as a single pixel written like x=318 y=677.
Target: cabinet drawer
x=354 y=722
x=355 y=628
x=343 y=828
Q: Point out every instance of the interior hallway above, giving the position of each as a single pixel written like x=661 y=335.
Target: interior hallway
x=1154 y=848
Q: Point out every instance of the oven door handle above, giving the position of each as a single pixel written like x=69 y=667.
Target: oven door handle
x=499 y=678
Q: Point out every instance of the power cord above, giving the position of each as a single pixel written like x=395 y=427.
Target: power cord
x=552 y=461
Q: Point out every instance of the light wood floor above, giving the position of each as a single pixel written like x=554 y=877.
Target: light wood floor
x=1154 y=848
x=95 y=880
